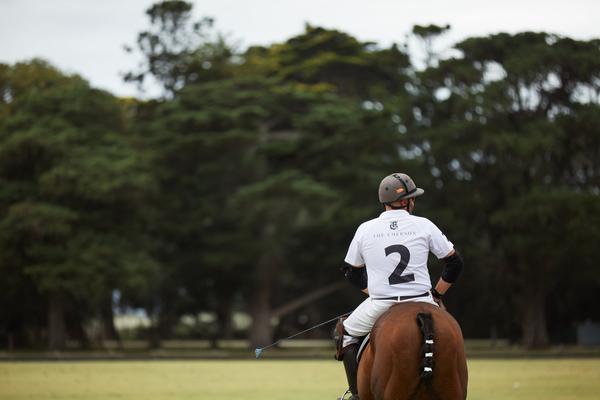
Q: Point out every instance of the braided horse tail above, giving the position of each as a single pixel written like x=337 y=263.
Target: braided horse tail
x=402 y=362
x=425 y=323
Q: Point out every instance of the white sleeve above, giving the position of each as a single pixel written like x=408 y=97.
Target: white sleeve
x=439 y=245
x=353 y=257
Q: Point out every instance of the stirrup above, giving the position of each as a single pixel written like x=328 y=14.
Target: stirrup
x=352 y=396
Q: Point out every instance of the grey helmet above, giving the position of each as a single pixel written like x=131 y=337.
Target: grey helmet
x=396 y=187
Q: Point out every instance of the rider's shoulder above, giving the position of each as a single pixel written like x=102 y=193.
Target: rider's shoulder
x=367 y=224
x=422 y=220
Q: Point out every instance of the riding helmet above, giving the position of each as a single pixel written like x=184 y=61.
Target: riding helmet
x=396 y=187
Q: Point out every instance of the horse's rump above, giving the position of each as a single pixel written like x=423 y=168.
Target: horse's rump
x=393 y=365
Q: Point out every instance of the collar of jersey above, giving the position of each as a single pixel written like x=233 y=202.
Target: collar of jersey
x=393 y=214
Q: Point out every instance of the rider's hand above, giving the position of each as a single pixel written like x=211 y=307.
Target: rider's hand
x=440 y=303
x=437 y=297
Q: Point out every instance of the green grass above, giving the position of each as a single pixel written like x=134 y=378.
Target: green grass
x=560 y=379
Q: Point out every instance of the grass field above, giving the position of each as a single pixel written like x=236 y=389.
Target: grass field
x=563 y=379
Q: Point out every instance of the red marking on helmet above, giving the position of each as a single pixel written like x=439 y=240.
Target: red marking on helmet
x=399 y=190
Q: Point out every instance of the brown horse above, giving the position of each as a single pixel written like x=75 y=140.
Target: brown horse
x=391 y=366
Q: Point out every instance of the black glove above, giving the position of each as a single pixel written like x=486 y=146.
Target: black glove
x=437 y=297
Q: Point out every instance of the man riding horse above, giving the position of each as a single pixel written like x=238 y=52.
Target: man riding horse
x=392 y=250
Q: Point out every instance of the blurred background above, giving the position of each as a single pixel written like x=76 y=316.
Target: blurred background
x=202 y=183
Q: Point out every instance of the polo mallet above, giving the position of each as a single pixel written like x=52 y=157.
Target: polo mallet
x=258 y=351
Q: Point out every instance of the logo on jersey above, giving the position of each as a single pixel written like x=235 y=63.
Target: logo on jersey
x=394 y=225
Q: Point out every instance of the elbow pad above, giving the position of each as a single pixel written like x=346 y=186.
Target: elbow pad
x=453 y=267
x=356 y=276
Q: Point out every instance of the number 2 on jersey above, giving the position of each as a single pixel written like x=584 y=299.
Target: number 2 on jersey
x=396 y=277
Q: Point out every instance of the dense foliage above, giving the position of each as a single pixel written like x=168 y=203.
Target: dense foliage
x=240 y=188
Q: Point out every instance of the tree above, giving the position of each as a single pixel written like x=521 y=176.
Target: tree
x=426 y=35
x=494 y=131
x=333 y=59
x=70 y=215
x=177 y=51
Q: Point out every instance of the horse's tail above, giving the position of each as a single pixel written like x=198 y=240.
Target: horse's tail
x=425 y=323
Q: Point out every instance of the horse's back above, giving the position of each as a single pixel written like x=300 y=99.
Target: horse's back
x=396 y=357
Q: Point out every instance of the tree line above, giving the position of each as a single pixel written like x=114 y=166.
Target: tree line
x=240 y=187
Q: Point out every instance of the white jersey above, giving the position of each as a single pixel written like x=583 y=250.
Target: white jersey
x=394 y=248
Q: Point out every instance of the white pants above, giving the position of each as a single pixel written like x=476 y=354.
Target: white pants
x=360 y=322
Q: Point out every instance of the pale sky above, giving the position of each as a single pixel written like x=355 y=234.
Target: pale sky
x=87 y=36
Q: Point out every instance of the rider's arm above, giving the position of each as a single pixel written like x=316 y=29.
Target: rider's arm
x=357 y=276
x=452 y=269
x=355 y=270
